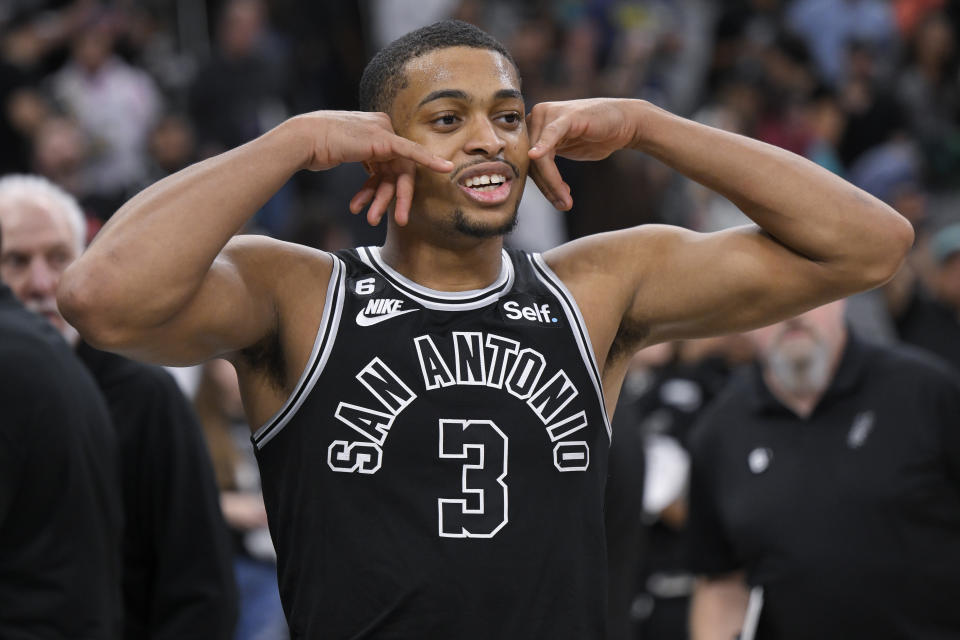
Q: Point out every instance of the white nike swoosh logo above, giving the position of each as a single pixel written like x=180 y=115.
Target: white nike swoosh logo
x=366 y=321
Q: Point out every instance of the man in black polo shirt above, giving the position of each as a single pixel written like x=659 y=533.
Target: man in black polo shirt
x=929 y=316
x=827 y=478
x=60 y=517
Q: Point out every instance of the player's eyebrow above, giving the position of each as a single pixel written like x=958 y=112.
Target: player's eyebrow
x=503 y=94
x=456 y=94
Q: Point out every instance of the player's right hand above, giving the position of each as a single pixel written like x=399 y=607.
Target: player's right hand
x=359 y=136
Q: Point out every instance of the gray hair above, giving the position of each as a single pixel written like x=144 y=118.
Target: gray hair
x=21 y=188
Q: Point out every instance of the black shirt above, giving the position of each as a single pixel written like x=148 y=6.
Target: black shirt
x=177 y=563
x=60 y=515
x=931 y=325
x=849 y=519
x=439 y=470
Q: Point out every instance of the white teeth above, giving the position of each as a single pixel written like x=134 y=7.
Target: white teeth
x=480 y=181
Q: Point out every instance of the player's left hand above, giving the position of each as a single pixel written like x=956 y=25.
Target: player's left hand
x=589 y=129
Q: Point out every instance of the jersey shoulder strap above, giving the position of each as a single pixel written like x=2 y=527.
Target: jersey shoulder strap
x=319 y=354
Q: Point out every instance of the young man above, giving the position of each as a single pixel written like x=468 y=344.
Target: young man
x=828 y=476
x=434 y=421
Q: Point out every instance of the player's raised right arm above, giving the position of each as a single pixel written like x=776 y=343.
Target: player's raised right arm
x=157 y=283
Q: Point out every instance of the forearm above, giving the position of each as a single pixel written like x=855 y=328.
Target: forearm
x=718 y=608
x=153 y=254
x=805 y=207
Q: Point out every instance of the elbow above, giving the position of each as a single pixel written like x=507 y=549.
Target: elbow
x=875 y=249
x=892 y=246
x=81 y=298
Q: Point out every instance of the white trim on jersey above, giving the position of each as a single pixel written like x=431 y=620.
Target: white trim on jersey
x=442 y=300
x=322 y=345
x=546 y=275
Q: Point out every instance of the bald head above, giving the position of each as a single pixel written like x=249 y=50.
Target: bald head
x=43 y=232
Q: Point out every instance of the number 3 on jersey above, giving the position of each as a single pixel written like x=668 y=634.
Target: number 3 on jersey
x=481 y=509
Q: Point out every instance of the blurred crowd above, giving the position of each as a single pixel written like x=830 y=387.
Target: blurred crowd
x=105 y=98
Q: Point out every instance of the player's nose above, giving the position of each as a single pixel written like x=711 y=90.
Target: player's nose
x=484 y=139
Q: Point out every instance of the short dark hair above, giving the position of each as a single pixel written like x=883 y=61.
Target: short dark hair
x=383 y=77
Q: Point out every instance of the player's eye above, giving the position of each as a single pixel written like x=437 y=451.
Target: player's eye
x=512 y=118
x=445 y=120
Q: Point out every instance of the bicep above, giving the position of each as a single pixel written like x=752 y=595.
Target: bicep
x=226 y=313
x=690 y=285
x=237 y=304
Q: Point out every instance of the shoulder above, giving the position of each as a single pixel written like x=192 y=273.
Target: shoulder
x=604 y=273
x=294 y=276
x=594 y=255
x=268 y=257
x=911 y=365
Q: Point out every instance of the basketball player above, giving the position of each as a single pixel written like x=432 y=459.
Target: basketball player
x=434 y=411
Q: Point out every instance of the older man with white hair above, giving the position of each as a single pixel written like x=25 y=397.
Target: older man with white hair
x=177 y=571
x=826 y=480
x=60 y=516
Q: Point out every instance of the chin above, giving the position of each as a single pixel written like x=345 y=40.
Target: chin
x=484 y=223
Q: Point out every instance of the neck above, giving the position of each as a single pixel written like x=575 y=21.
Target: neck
x=803 y=402
x=464 y=266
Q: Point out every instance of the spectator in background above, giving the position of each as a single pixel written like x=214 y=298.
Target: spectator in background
x=929 y=91
x=831 y=26
x=874 y=116
x=891 y=172
x=115 y=105
x=177 y=575
x=828 y=479
x=678 y=382
x=60 y=510
x=60 y=154
x=172 y=147
x=826 y=120
x=929 y=316
x=241 y=93
x=21 y=109
x=225 y=426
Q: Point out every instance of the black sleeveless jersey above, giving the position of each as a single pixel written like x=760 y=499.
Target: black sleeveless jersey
x=439 y=470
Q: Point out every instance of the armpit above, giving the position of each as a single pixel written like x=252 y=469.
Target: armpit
x=266 y=357
x=630 y=335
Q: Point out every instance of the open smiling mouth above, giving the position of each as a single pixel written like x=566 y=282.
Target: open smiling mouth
x=487 y=187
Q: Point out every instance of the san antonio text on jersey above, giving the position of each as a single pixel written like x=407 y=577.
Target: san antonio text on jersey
x=439 y=470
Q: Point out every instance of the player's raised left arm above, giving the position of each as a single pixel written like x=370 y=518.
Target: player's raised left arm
x=819 y=237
